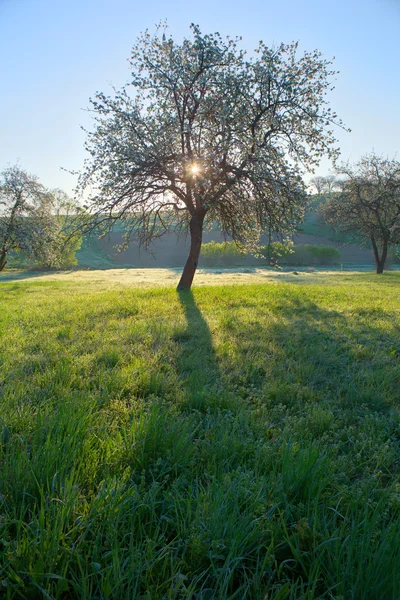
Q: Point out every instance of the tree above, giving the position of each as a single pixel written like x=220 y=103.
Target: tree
x=202 y=134
x=55 y=239
x=324 y=184
x=331 y=183
x=319 y=183
x=368 y=205
x=30 y=223
x=20 y=195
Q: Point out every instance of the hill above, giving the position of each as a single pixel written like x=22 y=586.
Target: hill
x=171 y=250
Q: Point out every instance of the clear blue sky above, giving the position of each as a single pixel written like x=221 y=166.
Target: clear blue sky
x=55 y=55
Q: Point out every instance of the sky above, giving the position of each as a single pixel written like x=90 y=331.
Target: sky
x=55 y=55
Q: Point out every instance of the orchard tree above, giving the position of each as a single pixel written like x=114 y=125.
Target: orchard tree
x=368 y=205
x=33 y=221
x=56 y=239
x=203 y=134
x=20 y=195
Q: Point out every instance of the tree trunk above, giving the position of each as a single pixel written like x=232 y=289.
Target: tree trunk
x=196 y=237
x=3 y=260
x=380 y=260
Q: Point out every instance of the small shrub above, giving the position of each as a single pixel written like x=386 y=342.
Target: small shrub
x=322 y=254
x=306 y=254
x=275 y=250
x=221 y=254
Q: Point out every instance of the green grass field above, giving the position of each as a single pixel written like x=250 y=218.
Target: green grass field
x=240 y=441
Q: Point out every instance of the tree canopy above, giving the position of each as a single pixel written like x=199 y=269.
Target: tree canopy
x=204 y=134
x=368 y=205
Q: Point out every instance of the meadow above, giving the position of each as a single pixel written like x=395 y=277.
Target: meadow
x=240 y=441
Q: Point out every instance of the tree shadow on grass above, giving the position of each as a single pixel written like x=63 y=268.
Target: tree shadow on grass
x=304 y=353
x=197 y=361
x=307 y=353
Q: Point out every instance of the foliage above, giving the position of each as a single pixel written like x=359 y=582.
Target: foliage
x=56 y=243
x=225 y=253
x=23 y=201
x=323 y=254
x=268 y=467
x=368 y=206
x=228 y=254
x=34 y=221
x=306 y=254
x=204 y=134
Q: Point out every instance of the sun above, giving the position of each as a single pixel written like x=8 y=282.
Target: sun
x=194 y=169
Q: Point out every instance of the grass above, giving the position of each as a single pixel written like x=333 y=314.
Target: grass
x=112 y=279
x=238 y=442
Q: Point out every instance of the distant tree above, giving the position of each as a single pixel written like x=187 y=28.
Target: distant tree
x=319 y=184
x=20 y=195
x=368 y=205
x=58 y=243
x=331 y=183
x=324 y=184
x=29 y=222
x=203 y=134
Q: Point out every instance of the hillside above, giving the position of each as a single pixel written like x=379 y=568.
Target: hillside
x=171 y=251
